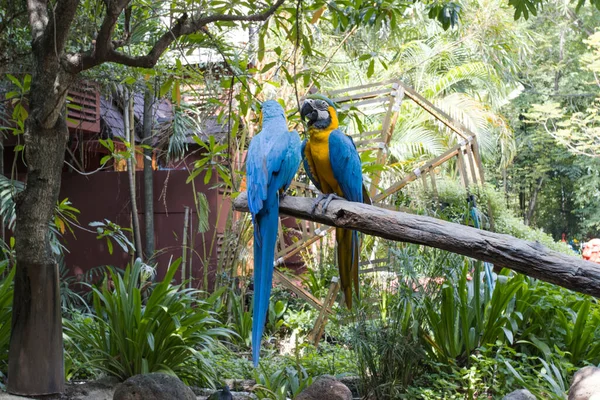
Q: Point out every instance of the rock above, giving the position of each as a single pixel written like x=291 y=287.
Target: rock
x=325 y=387
x=205 y=394
x=353 y=383
x=586 y=384
x=521 y=394
x=240 y=385
x=223 y=394
x=153 y=386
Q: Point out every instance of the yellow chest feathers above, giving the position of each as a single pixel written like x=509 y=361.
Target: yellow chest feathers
x=321 y=166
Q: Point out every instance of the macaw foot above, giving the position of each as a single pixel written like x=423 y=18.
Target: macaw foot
x=325 y=199
x=318 y=200
x=332 y=196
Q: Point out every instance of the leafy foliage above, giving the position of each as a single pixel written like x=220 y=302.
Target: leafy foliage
x=64 y=213
x=139 y=329
x=110 y=231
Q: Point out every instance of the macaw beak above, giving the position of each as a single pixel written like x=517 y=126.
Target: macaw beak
x=308 y=112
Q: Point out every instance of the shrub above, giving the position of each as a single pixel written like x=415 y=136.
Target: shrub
x=166 y=333
x=389 y=351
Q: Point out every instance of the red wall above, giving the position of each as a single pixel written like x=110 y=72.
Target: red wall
x=105 y=195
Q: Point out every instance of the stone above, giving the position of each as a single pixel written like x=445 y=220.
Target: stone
x=154 y=386
x=353 y=383
x=223 y=394
x=325 y=387
x=521 y=394
x=241 y=385
x=585 y=384
x=206 y=394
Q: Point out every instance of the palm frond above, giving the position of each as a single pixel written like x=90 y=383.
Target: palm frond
x=469 y=72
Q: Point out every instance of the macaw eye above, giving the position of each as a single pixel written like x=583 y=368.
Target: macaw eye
x=323 y=103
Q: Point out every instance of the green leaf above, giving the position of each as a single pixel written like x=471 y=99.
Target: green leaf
x=371 y=68
x=268 y=67
x=150 y=338
x=130 y=80
x=165 y=87
x=15 y=81
x=509 y=335
x=261 y=45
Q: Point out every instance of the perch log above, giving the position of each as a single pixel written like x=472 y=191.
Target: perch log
x=529 y=258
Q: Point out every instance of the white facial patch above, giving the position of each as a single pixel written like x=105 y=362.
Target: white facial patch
x=323 y=114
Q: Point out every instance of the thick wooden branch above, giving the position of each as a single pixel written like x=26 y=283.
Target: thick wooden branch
x=106 y=51
x=529 y=258
x=59 y=25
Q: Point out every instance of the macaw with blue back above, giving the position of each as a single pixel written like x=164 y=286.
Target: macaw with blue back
x=272 y=162
x=333 y=165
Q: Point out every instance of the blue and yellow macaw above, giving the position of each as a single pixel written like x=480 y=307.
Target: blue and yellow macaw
x=272 y=162
x=333 y=165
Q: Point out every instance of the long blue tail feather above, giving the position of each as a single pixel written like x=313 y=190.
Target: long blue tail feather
x=264 y=257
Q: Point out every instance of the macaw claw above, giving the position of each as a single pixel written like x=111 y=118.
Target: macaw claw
x=318 y=200
x=325 y=199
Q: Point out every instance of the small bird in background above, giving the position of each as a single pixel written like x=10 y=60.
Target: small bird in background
x=272 y=162
x=333 y=165
x=223 y=394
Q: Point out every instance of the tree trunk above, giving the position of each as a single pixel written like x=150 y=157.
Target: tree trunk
x=533 y=202
x=529 y=258
x=148 y=176
x=36 y=348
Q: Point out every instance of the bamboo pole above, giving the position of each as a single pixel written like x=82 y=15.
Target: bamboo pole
x=129 y=128
x=184 y=249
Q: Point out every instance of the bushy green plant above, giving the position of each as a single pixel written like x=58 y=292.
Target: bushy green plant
x=328 y=359
x=302 y=321
x=240 y=320
x=389 y=351
x=77 y=365
x=275 y=316
x=468 y=317
x=283 y=383
x=230 y=364
x=166 y=332
x=580 y=324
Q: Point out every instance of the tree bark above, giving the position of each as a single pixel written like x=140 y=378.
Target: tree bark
x=529 y=258
x=148 y=176
x=36 y=349
x=533 y=202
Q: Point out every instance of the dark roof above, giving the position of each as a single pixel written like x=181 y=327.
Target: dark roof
x=112 y=123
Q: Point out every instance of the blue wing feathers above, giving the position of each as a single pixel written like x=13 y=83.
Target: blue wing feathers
x=346 y=165
x=272 y=163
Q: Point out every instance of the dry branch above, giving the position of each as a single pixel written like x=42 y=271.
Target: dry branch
x=529 y=258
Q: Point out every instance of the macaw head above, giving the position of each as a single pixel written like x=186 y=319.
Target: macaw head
x=319 y=112
x=271 y=109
